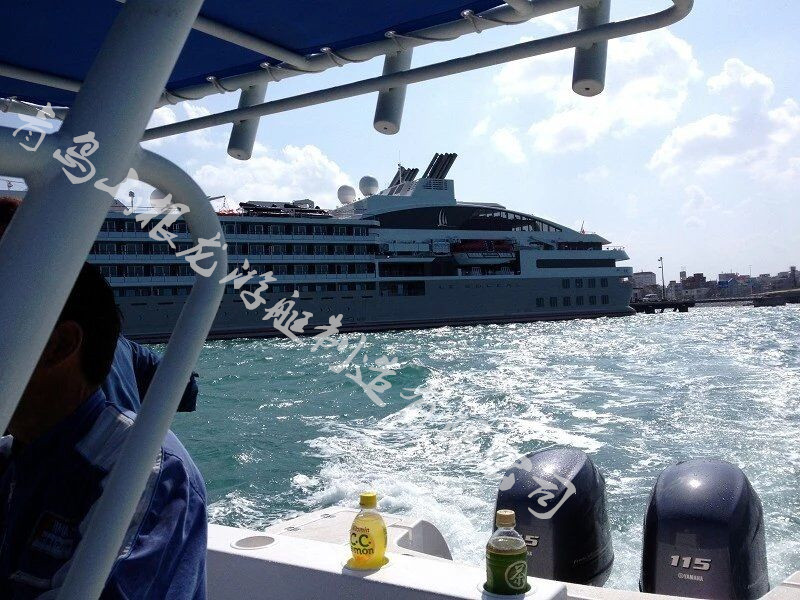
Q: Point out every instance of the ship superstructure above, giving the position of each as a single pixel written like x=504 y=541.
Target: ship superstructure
x=406 y=256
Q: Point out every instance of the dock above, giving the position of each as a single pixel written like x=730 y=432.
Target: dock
x=653 y=307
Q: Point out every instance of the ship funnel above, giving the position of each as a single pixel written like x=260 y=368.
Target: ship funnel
x=346 y=194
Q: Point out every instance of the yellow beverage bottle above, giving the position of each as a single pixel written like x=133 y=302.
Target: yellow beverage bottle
x=368 y=536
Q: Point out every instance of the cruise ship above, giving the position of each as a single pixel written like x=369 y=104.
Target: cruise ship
x=408 y=256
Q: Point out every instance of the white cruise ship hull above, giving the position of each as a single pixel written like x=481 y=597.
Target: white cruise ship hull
x=450 y=302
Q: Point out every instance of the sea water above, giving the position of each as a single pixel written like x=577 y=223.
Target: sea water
x=277 y=431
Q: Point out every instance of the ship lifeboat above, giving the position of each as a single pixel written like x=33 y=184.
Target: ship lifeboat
x=483 y=252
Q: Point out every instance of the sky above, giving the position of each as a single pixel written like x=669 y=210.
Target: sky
x=692 y=152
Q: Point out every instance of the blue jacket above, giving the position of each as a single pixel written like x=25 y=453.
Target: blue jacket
x=131 y=373
x=50 y=486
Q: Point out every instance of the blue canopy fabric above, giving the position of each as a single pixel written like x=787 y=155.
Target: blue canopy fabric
x=62 y=38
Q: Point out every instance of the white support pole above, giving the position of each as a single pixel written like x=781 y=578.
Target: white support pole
x=490 y=58
x=113 y=512
x=389 y=108
x=50 y=236
x=589 y=69
x=243 y=134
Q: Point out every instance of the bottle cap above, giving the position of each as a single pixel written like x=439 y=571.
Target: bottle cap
x=368 y=500
x=505 y=518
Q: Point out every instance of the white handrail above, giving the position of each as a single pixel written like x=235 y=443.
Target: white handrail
x=115 y=508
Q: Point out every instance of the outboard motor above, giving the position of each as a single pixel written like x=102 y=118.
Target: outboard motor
x=559 y=498
x=704 y=534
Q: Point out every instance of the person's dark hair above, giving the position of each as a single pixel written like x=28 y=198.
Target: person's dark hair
x=91 y=305
x=8 y=206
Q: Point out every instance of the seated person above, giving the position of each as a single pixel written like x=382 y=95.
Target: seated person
x=131 y=373
x=66 y=438
x=134 y=365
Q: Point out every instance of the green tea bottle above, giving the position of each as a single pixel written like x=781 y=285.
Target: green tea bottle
x=506 y=558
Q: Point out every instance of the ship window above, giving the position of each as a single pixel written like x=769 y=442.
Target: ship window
x=300 y=249
x=573 y=263
x=567 y=301
x=299 y=229
x=279 y=270
x=592 y=283
x=553 y=301
x=604 y=299
x=579 y=283
x=320 y=249
x=340 y=249
x=229 y=228
x=539 y=302
x=319 y=230
x=258 y=249
x=109 y=271
x=321 y=269
x=145 y=291
x=160 y=270
x=565 y=284
x=604 y=282
x=361 y=268
x=300 y=270
x=276 y=229
x=358 y=230
x=592 y=300
x=579 y=301
x=340 y=230
x=342 y=269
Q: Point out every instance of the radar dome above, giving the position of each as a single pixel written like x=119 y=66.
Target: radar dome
x=368 y=185
x=159 y=200
x=346 y=194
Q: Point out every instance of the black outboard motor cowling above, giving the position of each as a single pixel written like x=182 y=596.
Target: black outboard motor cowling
x=559 y=499
x=704 y=534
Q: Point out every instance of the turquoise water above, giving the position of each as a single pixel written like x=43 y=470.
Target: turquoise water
x=277 y=432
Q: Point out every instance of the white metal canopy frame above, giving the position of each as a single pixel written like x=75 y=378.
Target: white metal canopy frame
x=52 y=233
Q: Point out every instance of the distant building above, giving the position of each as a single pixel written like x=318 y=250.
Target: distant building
x=683 y=276
x=643 y=279
x=696 y=281
x=727 y=276
x=696 y=293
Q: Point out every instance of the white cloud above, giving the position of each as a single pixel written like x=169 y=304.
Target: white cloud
x=698 y=206
x=597 y=174
x=647 y=85
x=481 y=127
x=755 y=136
x=292 y=174
x=506 y=142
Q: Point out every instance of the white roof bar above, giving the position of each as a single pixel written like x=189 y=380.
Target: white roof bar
x=580 y=38
x=246 y=40
x=47 y=79
x=523 y=7
x=251 y=42
x=294 y=64
x=501 y=15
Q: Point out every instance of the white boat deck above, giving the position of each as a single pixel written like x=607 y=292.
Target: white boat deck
x=304 y=559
